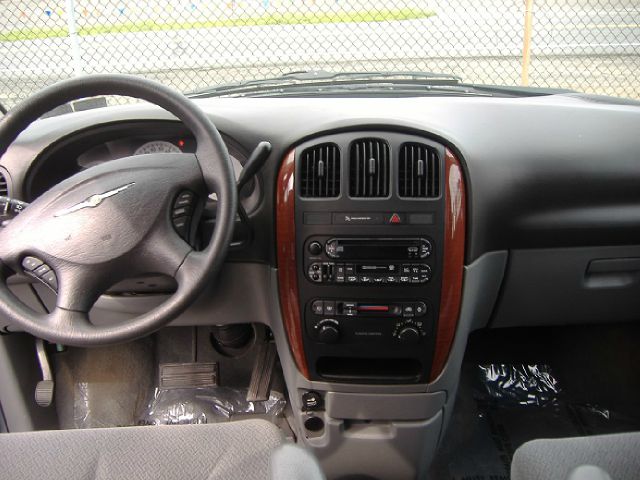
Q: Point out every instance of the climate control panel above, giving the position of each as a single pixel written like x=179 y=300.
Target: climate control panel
x=357 y=322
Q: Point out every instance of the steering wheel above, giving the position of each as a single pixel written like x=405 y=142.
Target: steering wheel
x=114 y=221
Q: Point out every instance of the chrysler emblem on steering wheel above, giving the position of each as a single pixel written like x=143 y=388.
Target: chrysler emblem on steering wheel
x=94 y=200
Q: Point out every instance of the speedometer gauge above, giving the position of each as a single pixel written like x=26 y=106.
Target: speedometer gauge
x=158 y=146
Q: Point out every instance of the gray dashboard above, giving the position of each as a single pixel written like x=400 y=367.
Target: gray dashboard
x=547 y=172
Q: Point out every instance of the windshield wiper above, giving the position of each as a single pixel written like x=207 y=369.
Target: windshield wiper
x=3 y=110
x=318 y=78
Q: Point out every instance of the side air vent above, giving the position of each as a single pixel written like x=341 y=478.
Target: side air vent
x=4 y=187
x=419 y=171
x=369 y=168
x=320 y=171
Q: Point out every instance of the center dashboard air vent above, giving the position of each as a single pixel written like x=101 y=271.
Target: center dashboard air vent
x=418 y=171
x=320 y=171
x=369 y=168
x=4 y=186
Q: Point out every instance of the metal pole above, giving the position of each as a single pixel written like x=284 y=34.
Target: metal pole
x=526 y=43
x=73 y=38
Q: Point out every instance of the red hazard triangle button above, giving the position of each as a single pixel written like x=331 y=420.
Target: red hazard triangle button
x=395 y=218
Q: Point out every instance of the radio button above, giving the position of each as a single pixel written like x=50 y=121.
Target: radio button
x=366 y=279
x=379 y=280
x=340 y=270
x=406 y=269
x=425 y=248
x=352 y=279
x=408 y=311
x=392 y=279
x=340 y=278
x=420 y=309
x=405 y=279
x=318 y=307
x=315 y=272
x=415 y=279
x=350 y=269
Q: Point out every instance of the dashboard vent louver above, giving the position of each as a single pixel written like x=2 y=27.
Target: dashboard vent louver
x=4 y=186
x=418 y=171
x=320 y=171
x=369 y=168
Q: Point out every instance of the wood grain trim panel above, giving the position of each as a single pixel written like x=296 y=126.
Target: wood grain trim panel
x=453 y=263
x=287 y=268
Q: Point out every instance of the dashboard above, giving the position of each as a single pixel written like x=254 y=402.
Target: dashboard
x=541 y=174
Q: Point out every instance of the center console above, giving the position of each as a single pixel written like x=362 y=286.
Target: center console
x=366 y=229
x=370 y=251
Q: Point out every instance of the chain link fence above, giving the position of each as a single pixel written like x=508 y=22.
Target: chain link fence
x=586 y=45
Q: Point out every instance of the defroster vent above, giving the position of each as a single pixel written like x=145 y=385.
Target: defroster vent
x=320 y=171
x=369 y=168
x=418 y=171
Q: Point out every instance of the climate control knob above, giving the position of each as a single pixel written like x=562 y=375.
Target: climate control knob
x=327 y=330
x=409 y=335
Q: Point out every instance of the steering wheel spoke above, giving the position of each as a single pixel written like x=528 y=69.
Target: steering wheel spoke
x=163 y=252
x=64 y=320
x=80 y=287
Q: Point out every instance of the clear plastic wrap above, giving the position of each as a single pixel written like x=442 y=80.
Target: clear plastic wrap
x=520 y=384
x=208 y=405
x=103 y=387
x=501 y=406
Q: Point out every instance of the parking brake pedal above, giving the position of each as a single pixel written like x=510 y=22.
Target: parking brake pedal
x=45 y=387
x=260 y=386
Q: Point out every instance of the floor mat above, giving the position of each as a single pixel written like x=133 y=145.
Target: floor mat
x=492 y=419
x=119 y=385
x=103 y=387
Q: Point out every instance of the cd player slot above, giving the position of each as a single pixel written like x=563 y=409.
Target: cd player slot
x=378 y=248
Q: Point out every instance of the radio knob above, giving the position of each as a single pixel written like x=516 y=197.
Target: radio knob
x=332 y=248
x=315 y=248
x=328 y=330
x=409 y=335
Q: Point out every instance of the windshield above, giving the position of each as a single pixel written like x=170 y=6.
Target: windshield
x=589 y=46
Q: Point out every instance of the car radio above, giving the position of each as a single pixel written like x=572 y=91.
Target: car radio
x=357 y=261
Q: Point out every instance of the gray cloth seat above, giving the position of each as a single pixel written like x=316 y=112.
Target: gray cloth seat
x=247 y=450
x=618 y=455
